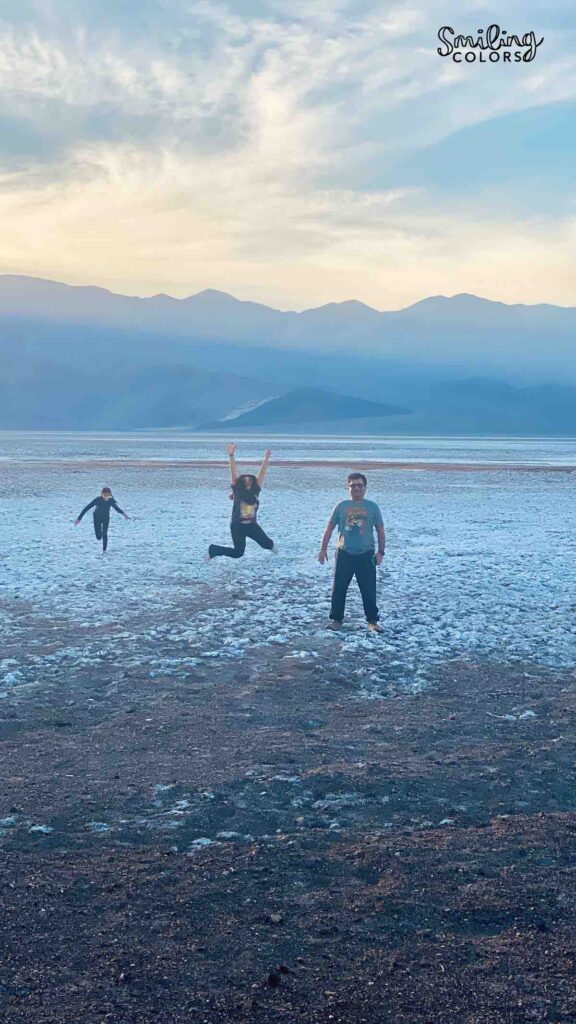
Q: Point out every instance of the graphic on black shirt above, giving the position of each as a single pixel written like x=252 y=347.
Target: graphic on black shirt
x=245 y=508
x=244 y=511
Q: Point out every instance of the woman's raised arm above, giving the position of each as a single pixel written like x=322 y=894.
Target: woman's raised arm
x=233 y=469
x=264 y=467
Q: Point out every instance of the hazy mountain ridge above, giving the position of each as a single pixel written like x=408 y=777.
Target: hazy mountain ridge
x=83 y=358
x=465 y=329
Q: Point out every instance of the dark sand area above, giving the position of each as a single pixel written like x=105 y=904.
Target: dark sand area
x=403 y=859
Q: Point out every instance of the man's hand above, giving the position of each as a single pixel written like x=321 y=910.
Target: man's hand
x=379 y=557
x=76 y=521
x=322 y=556
x=231 y=449
x=125 y=516
x=267 y=454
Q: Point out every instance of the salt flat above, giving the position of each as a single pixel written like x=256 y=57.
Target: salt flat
x=479 y=564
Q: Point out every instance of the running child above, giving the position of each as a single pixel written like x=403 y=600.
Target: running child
x=102 y=506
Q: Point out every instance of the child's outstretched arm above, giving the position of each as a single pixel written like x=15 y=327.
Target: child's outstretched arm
x=90 y=505
x=118 y=509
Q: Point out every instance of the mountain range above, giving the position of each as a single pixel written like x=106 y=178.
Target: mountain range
x=86 y=358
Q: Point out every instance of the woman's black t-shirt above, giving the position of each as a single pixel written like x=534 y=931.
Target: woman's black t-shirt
x=245 y=507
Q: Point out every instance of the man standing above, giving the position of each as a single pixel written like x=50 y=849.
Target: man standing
x=356 y=520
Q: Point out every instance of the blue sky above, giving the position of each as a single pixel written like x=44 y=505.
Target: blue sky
x=292 y=153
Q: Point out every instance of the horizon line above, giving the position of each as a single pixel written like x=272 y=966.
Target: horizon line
x=296 y=312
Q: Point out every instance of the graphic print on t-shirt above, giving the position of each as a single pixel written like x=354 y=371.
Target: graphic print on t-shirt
x=355 y=521
x=247 y=512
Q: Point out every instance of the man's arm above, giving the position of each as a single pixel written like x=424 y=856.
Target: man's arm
x=264 y=467
x=381 y=543
x=233 y=469
x=323 y=553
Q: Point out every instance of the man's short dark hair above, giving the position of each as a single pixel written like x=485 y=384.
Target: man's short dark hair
x=358 y=476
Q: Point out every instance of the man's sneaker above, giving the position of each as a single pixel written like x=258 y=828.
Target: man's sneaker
x=375 y=627
x=274 y=549
x=334 y=624
x=207 y=559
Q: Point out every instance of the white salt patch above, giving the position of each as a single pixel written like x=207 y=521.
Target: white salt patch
x=180 y=807
x=12 y=678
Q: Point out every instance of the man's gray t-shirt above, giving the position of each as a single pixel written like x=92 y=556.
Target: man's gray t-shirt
x=356 y=521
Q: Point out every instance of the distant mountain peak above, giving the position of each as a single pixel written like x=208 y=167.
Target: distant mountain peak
x=308 y=405
x=212 y=298
x=349 y=311
x=460 y=298
x=212 y=293
x=346 y=304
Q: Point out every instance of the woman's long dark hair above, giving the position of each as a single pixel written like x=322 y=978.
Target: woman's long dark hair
x=242 y=493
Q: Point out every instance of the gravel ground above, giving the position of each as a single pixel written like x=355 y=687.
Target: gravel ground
x=254 y=841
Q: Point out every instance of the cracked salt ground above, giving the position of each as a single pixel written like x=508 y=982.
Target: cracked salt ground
x=471 y=571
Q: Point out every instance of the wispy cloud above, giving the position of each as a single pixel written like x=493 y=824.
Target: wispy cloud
x=263 y=152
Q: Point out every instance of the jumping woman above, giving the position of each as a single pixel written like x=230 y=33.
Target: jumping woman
x=102 y=506
x=245 y=491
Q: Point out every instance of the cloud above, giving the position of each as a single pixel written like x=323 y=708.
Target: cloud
x=288 y=148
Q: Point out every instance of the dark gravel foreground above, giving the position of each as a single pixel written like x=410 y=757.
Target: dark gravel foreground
x=254 y=842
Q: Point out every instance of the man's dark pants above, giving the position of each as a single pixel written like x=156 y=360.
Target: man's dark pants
x=363 y=568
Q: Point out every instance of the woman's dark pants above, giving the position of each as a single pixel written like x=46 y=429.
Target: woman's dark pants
x=363 y=567
x=240 y=531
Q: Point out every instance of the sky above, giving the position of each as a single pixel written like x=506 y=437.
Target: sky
x=291 y=152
